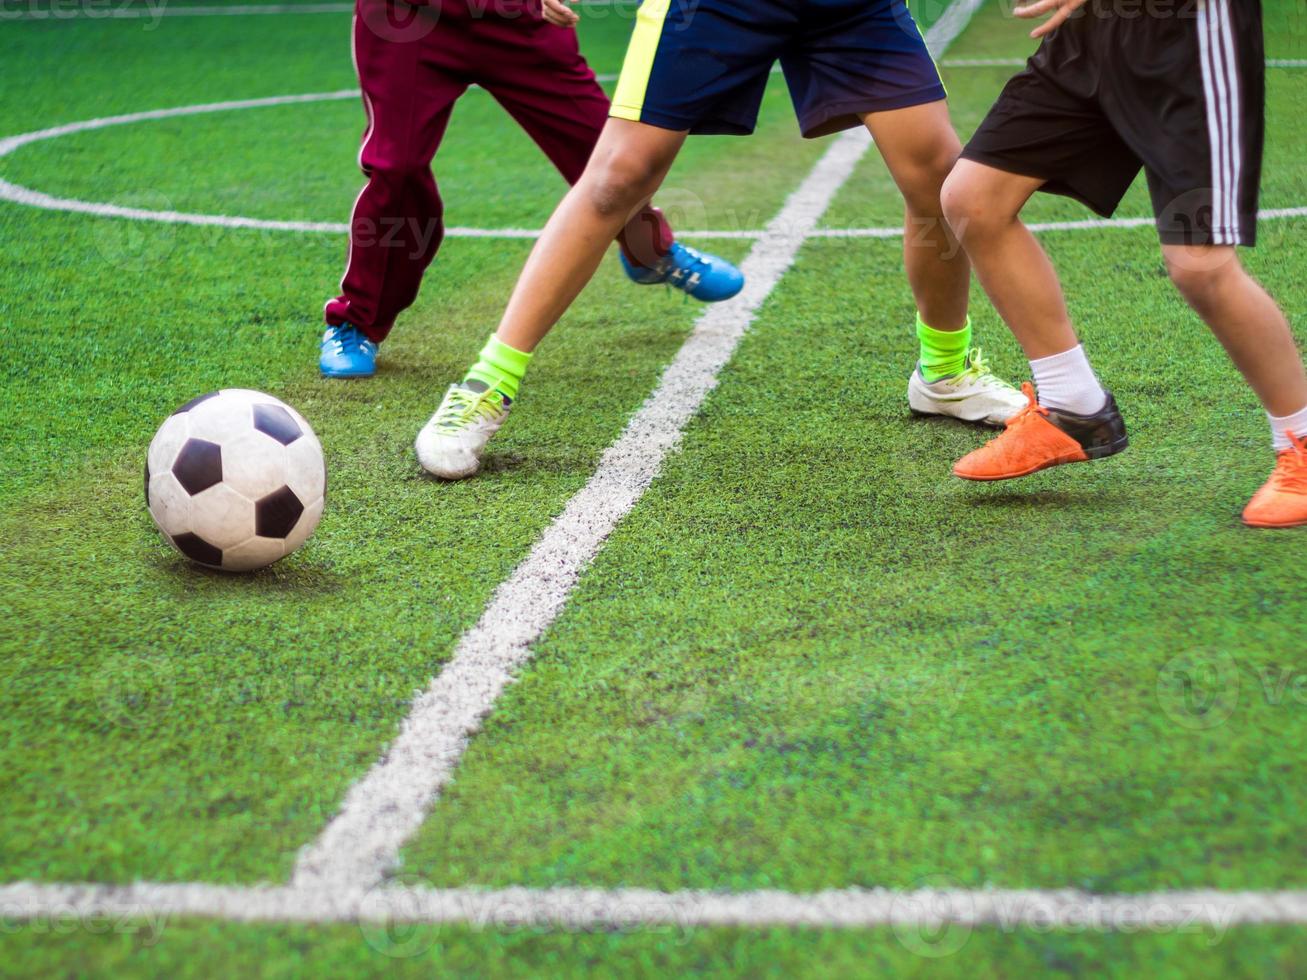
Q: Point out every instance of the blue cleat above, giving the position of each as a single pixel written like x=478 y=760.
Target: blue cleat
x=347 y=353
x=708 y=278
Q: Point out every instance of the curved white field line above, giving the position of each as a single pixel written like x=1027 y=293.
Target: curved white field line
x=29 y=197
x=334 y=876
x=25 y=195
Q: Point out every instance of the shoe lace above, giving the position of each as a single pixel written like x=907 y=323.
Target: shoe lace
x=462 y=406
x=1291 y=467
x=688 y=266
x=978 y=369
x=1032 y=410
x=347 y=339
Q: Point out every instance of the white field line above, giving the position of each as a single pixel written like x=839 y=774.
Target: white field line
x=982 y=63
x=335 y=884
x=38 y=199
x=383 y=809
x=1085 y=224
x=579 y=908
x=940 y=36
x=954 y=21
x=387 y=806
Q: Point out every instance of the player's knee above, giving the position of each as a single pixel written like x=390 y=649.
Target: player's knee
x=922 y=184
x=1190 y=282
x=967 y=208
x=619 y=182
x=1202 y=272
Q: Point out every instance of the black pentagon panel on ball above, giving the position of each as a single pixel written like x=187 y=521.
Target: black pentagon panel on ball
x=276 y=515
x=195 y=401
x=276 y=422
x=147 y=481
x=196 y=548
x=198 y=466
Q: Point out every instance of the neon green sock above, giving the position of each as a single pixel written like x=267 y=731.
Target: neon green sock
x=500 y=366
x=943 y=352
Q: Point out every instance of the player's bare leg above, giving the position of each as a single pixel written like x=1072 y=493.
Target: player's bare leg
x=982 y=206
x=628 y=165
x=920 y=148
x=1074 y=420
x=1256 y=335
x=1245 y=319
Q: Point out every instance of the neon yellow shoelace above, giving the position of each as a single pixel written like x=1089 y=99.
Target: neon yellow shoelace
x=463 y=407
x=978 y=368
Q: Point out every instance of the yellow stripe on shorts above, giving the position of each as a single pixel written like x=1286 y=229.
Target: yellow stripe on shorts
x=926 y=44
x=628 y=100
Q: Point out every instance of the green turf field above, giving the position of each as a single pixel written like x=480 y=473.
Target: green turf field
x=808 y=659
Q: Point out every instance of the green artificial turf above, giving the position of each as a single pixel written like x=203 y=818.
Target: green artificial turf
x=807 y=659
x=811 y=659
x=165 y=722
x=169 y=948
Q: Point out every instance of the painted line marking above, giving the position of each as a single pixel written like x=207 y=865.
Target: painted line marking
x=387 y=806
x=28 y=197
x=582 y=908
x=1086 y=224
x=551 y=570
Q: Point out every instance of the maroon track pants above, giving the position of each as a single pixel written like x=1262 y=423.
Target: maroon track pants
x=413 y=65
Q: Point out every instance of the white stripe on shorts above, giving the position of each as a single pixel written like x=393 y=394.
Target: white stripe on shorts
x=1224 y=124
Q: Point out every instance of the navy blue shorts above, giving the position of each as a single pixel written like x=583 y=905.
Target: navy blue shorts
x=702 y=65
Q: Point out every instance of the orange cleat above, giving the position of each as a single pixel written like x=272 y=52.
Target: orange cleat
x=1282 y=501
x=1038 y=437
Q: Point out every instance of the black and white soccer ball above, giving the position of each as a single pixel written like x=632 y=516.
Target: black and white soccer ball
x=235 y=480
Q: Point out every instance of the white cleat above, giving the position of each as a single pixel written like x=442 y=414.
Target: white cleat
x=450 y=444
x=974 y=395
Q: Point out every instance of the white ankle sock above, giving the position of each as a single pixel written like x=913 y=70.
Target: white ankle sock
x=1066 y=382
x=1281 y=427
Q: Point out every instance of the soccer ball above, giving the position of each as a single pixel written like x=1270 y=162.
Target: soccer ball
x=235 y=480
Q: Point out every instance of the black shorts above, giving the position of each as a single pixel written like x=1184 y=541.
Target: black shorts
x=1176 y=87
x=702 y=65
